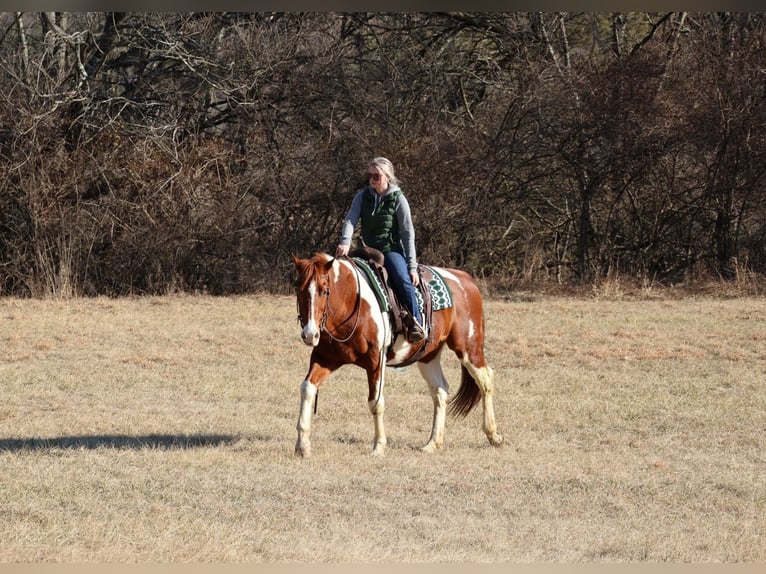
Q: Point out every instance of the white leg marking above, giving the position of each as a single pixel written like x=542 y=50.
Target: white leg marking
x=485 y=377
x=438 y=387
x=303 y=444
x=377 y=408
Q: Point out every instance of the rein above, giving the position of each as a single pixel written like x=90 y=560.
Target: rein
x=357 y=310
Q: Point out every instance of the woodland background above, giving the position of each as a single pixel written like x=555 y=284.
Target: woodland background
x=147 y=153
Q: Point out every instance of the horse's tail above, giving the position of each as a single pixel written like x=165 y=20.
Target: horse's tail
x=467 y=396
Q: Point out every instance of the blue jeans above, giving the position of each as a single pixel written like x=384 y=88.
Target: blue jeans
x=399 y=276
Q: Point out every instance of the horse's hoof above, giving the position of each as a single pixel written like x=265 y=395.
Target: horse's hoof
x=430 y=447
x=496 y=440
x=378 y=451
x=303 y=452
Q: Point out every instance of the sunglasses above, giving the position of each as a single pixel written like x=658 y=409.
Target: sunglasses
x=374 y=176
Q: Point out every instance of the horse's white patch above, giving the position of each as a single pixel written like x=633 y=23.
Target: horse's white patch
x=312 y=298
x=378 y=318
x=454 y=281
x=447 y=274
x=311 y=329
x=471 y=330
x=402 y=349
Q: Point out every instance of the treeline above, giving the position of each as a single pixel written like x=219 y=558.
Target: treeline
x=154 y=152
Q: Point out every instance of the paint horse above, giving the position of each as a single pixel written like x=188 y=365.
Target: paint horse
x=345 y=323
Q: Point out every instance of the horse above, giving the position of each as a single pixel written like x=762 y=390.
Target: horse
x=343 y=321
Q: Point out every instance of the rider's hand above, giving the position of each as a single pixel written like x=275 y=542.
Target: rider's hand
x=341 y=251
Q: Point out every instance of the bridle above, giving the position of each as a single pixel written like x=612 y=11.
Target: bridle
x=323 y=322
x=328 y=310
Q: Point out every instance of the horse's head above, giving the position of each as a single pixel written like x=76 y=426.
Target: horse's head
x=313 y=292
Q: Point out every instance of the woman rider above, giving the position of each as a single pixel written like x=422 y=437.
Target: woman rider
x=387 y=226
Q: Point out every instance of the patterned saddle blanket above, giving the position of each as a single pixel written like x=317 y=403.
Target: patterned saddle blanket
x=441 y=296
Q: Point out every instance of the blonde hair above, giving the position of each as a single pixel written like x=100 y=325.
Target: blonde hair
x=386 y=167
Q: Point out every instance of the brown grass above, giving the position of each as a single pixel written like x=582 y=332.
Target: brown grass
x=162 y=429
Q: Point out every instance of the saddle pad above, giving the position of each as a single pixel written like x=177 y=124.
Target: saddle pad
x=372 y=279
x=441 y=296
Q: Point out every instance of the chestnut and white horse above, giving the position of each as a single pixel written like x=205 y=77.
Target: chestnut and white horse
x=342 y=320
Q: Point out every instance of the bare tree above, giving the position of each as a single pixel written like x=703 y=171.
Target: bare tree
x=146 y=152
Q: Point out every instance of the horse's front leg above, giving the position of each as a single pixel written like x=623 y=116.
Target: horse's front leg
x=309 y=387
x=377 y=405
x=308 y=396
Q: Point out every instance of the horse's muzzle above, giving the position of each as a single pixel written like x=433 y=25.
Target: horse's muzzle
x=310 y=336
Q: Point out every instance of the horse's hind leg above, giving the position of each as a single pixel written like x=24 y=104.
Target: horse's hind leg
x=438 y=387
x=484 y=377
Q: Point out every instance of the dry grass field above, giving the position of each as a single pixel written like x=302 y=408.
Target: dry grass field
x=162 y=430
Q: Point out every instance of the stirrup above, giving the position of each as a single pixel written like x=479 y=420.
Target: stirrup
x=415 y=334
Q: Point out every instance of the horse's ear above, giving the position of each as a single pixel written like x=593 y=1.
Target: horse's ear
x=328 y=265
x=295 y=259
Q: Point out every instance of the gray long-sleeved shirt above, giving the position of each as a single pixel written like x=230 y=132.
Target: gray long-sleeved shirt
x=403 y=216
